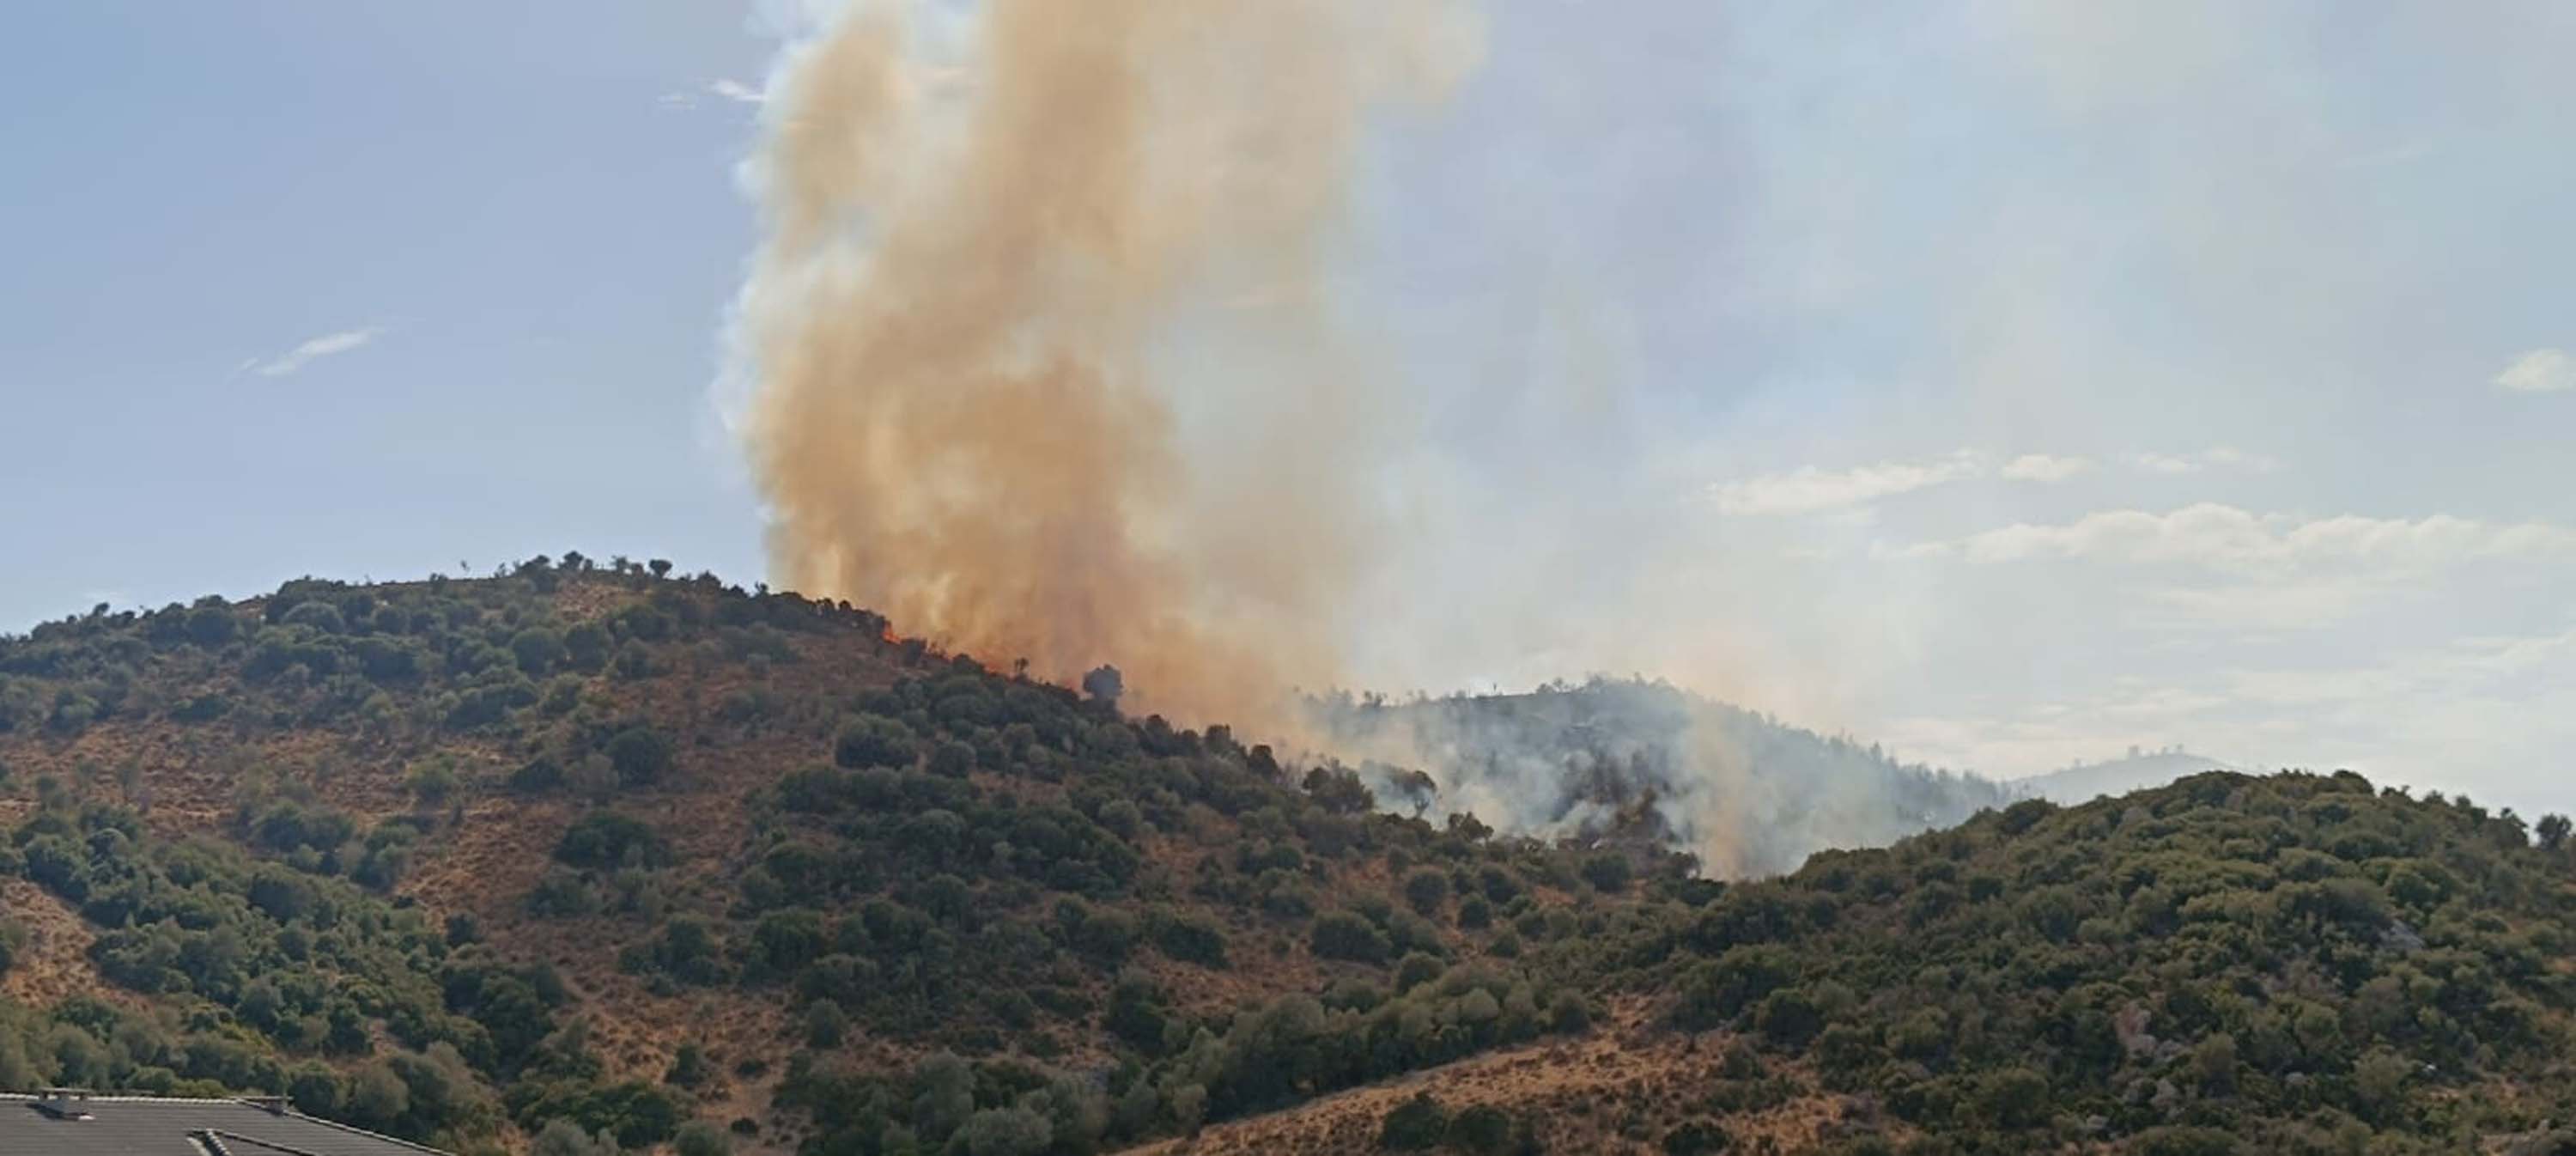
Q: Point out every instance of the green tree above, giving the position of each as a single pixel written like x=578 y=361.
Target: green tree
x=378 y=1099
x=689 y=1066
x=824 y=1024
x=700 y=1138
x=943 y=1096
x=432 y=781
x=874 y=741
x=1479 y=1130
x=2014 y=1098
x=640 y=755
x=562 y=1137
x=586 y=646
x=1414 y=1125
x=1104 y=685
x=538 y=650
x=603 y=839
x=1695 y=1138
x=1007 y=1132
x=1608 y=871
x=1343 y=935
x=213 y=626
x=1426 y=888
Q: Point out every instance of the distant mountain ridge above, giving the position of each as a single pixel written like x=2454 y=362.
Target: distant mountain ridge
x=2085 y=782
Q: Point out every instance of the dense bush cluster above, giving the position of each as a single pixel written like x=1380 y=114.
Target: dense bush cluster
x=2285 y=964
x=982 y=864
x=283 y=979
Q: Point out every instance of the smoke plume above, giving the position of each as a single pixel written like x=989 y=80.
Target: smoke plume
x=1634 y=765
x=1039 y=356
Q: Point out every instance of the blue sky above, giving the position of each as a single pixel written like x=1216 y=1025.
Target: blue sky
x=530 y=242
x=2011 y=382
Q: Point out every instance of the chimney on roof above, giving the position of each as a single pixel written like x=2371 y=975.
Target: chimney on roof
x=273 y=1105
x=64 y=1103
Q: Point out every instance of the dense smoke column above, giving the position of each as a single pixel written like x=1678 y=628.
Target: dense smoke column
x=982 y=240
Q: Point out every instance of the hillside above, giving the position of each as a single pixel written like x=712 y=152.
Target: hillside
x=460 y=858
x=2085 y=782
x=588 y=850
x=2227 y=965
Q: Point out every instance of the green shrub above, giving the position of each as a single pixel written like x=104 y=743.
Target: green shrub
x=1608 y=871
x=1789 y=1017
x=640 y=755
x=1415 y=1125
x=1190 y=938
x=1347 y=936
x=1695 y=1138
x=1426 y=888
x=604 y=839
x=1479 y=1130
x=700 y=1138
x=874 y=741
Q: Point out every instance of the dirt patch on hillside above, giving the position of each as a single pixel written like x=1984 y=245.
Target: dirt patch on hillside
x=1618 y=1090
x=54 y=964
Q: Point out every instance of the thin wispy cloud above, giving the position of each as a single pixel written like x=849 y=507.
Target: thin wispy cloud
x=2540 y=371
x=2229 y=538
x=2044 y=468
x=722 y=88
x=310 y=351
x=1808 y=489
x=2215 y=457
x=1812 y=489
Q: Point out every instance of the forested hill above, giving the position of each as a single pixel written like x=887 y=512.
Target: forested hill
x=1643 y=763
x=586 y=857
x=601 y=850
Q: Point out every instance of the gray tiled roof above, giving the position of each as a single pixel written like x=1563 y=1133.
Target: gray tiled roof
x=158 y=1126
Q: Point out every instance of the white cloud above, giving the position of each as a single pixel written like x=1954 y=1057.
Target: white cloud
x=327 y=345
x=722 y=88
x=1809 y=489
x=2228 y=538
x=2228 y=457
x=2234 y=458
x=2540 y=371
x=2044 y=468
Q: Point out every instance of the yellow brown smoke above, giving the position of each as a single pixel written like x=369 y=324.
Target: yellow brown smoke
x=1042 y=359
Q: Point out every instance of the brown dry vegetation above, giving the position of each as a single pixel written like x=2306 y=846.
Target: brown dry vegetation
x=54 y=966
x=1617 y=1090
